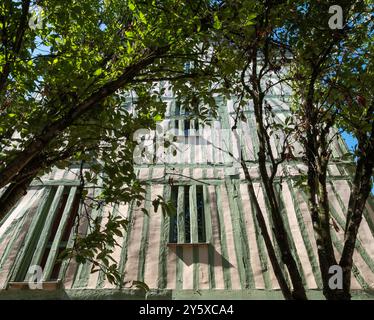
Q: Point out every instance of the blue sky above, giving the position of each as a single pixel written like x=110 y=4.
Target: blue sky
x=351 y=143
x=349 y=140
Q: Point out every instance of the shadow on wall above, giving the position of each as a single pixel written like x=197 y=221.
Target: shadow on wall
x=204 y=253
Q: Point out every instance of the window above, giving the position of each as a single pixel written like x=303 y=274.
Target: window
x=197 y=140
x=187 y=127
x=62 y=244
x=188 y=66
x=200 y=213
x=188 y=225
x=196 y=125
x=191 y=134
x=50 y=234
x=177 y=108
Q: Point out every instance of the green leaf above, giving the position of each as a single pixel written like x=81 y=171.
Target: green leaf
x=157 y=117
x=131 y=5
x=217 y=24
x=249 y=19
x=98 y=72
x=142 y=17
x=129 y=34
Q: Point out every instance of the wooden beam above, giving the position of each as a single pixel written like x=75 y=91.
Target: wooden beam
x=56 y=242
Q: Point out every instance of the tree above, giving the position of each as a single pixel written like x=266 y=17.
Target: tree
x=329 y=67
x=323 y=74
x=247 y=54
x=62 y=94
x=60 y=83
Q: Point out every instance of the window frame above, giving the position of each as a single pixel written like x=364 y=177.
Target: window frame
x=185 y=228
x=62 y=203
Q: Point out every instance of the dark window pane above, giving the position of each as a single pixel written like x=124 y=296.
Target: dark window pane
x=173 y=219
x=187 y=214
x=58 y=216
x=200 y=213
x=186 y=127
x=196 y=131
x=196 y=125
x=177 y=108
x=56 y=267
x=45 y=256
x=71 y=218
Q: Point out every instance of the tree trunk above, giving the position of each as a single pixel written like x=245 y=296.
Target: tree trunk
x=280 y=231
x=360 y=192
x=318 y=203
x=269 y=246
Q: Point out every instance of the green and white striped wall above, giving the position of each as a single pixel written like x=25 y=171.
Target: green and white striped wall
x=233 y=258
x=233 y=263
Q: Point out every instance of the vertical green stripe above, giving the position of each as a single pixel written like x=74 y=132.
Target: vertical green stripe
x=240 y=236
x=180 y=215
x=225 y=258
x=261 y=249
x=125 y=243
x=39 y=250
x=303 y=228
x=101 y=278
x=145 y=234
x=191 y=142
x=271 y=226
x=23 y=262
x=213 y=142
x=203 y=143
x=55 y=245
x=14 y=233
x=284 y=215
x=369 y=221
x=194 y=233
x=225 y=133
x=165 y=224
x=84 y=269
x=193 y=215
x=358 y=246
x=253 y=135
x=208 y=233
x=15 y=228
x=70 y=244
x=355 y=270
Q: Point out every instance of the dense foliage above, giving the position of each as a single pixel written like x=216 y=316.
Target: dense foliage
x=64 y=82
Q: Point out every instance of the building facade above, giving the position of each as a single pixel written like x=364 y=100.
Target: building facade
x=212 y=248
